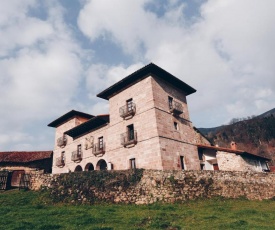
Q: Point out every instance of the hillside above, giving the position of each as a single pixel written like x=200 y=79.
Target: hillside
x=268 y=113
x=256 y=135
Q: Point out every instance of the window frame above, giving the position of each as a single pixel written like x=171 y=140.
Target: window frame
x=79 y=149
x=182 y=165
x=132 y=163
x=100 y=142
x=170 y=102
x=129 y=105
x=176 y=126
x=131 y=132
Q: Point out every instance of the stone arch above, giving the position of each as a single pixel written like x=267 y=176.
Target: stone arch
x=101 y=165
x=89 y=167
x=78 y=169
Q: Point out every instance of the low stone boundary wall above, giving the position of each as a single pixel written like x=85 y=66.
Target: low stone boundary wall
x=148 y=186
x=40 y=180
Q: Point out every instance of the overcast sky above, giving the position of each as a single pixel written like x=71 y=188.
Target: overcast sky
x=56 y=55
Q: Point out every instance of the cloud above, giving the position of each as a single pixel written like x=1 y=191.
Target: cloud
x=126 y=23
x=226 y=53
x=224 y=50
x=18 y=29
x=100 y=76
x=40 y=65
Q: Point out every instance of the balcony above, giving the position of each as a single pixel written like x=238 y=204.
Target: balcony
x=76 y=156
x=176 y=108
x=129 y=138
x=60 y=162
x=127 y=110
x=99 y=150
x=62 y=141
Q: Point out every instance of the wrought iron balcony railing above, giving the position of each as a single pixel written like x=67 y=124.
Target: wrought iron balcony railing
x=127 y=110
x=62 y=141
x=60 y=162
x=99 y=149
x=129 y=138
x=176 y=107
x=76 y=156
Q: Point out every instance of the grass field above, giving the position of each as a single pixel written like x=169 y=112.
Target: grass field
x=32 y=210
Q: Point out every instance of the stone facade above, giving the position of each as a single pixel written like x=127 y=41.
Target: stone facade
x=160 y=145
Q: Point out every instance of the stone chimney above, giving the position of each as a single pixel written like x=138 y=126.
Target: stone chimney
x=233 y=145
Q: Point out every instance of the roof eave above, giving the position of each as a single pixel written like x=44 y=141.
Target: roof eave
x=237 y=152
x=148 y=70
x=81 y=130
x=71 y=114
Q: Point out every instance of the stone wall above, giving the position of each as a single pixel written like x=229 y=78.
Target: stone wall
x=232 y=162
x=38 y=180
x=148 y=186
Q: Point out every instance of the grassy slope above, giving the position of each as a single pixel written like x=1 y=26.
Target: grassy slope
x=30 y=210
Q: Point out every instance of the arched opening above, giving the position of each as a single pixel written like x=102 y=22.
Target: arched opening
x=101 y=165
x=78 y=169
x=89 y=167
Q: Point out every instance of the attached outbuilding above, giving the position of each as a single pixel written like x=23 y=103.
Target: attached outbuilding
x=231 y=159
x=16 y=166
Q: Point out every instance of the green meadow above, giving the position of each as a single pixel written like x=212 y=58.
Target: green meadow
x=34 y=210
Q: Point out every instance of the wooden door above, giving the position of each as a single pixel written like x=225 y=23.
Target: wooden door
x=216 y=167
x=16 y=177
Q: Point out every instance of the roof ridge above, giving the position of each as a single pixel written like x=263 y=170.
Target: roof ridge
x=32 y=151
x=145 y=71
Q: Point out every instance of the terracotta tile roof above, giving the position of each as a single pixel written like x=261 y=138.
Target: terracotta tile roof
x=67 y=116
x=148 y=70
x=237 y=151
x=24 y=157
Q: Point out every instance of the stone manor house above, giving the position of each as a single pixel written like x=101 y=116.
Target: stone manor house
x=148 y=126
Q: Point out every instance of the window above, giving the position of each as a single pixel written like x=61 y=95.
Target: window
x=128 y=110
x=63 y=156
x=129 y=105
x=182 y=162
x=100 y=142
x=176 y=126
x=170 y=102
x=79 y=149
x=257 y=164
x=133 y=163
x=200 y=154
x=130 y=132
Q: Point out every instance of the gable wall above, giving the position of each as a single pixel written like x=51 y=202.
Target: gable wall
x=147 y=150
x=174 y=143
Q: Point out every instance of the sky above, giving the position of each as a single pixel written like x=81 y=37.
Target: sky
x=56 y=55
